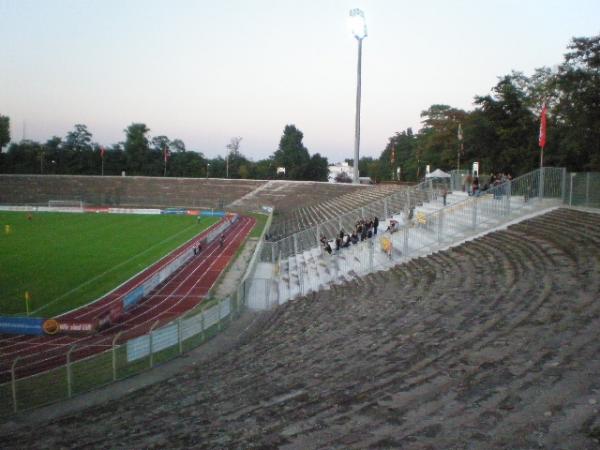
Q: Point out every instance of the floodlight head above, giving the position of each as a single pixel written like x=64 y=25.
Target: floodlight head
x=358 y=24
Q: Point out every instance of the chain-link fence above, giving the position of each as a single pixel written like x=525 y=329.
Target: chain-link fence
x=583 y=189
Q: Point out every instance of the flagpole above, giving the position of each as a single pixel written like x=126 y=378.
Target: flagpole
x=458 y=159
x=542 y=144
x=102 y=160
x=460 y=147
x=165 y=150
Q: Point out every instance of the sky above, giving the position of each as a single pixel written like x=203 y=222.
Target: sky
x=206 y=71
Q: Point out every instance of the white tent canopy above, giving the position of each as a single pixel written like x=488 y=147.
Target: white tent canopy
x=437 y=173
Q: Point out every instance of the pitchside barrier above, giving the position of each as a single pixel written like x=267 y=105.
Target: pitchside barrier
x=84 y=368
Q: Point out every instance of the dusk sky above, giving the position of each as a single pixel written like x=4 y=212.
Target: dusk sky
x=206 y=71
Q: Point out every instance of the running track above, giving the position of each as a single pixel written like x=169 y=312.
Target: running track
x=182 y=291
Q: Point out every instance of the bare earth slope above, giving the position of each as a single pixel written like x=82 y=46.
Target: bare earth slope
x=493 y=344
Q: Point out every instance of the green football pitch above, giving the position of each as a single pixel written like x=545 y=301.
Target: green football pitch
x=65 y=260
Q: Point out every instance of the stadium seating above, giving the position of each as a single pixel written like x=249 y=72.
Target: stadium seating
x=491 y=344
x=324 y=206
x=147 y=192
x=286 y=196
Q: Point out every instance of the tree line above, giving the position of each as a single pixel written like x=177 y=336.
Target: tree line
x=141 y=154
x=501 y=133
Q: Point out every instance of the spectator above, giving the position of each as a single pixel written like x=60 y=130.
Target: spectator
x=375 y=225
x=475 y=187
x=468 y=183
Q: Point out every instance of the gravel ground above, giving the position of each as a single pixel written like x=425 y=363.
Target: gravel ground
x=491 y=344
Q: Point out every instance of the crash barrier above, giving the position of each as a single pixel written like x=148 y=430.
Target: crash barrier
x=84 y=368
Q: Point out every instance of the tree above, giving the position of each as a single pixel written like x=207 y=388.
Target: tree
x=292 y=154
x=235 y=160
x=264 y=169
x=317 y=168
x=159 y=143
x=4 y=131
x=187 y=164
x=578 y=108
x=343 y=177
x=54 y=151
x=78 y=151
x=24 y=157
x=137 y=149
x=80 y=139
x=439 y=142
x=177 y=145
x=512 y=135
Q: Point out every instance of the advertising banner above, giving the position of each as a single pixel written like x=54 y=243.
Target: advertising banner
x=133 y=297
x=74 y=327
x=212 y=213
x=28 y=325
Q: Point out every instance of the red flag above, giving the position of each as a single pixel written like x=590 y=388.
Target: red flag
x=167 y=153
x=102 y=150
x=542 y=140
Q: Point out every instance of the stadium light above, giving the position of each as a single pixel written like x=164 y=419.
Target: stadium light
x=359 y=30
x=207 y=166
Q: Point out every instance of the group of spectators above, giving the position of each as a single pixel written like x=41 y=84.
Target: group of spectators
x=363 y=229
x=473 y=186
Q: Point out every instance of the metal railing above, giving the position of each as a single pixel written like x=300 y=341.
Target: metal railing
x=583 y=189
x=384 y=208
x=309 y=269
x=87 y=367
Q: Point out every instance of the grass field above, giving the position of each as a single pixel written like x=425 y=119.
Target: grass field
x=67 y=260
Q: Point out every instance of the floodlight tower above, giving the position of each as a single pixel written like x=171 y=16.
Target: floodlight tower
x=359 y=30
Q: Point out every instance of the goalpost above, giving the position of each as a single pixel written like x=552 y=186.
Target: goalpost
x=71 y=204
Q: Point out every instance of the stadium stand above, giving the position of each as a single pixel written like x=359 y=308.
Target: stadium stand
x=491 y=344
x=123 y=191
x=290 y=220
x=287 y=195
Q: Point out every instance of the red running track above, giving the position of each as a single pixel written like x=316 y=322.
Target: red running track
x=182 y=291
